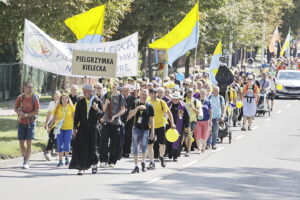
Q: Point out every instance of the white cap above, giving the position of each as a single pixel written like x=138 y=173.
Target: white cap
x=250 y=77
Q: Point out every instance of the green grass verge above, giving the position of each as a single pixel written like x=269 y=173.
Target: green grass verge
x=4 y=105
x=9 y=144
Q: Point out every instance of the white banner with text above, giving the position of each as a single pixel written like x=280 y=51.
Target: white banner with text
x=43 y=52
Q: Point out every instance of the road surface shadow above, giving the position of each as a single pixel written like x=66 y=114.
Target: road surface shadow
x=219 y=183
x=288 y=98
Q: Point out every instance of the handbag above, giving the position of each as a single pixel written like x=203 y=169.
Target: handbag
x=200 y=114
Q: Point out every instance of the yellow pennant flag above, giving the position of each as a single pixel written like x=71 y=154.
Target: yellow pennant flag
x=286 y=44
x=179 y=32
x=182 y=38
x=215 y=63
x=88 y=26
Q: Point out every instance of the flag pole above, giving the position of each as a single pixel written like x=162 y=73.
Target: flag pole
x=195 y=66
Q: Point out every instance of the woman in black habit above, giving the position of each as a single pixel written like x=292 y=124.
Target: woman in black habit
x=88 y=112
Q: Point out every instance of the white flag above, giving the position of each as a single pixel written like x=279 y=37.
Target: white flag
x=43 y=52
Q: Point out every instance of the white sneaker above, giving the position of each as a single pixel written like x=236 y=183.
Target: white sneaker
x=48 y=156
x=103 y=165
x=26 y=165
x=111 y=165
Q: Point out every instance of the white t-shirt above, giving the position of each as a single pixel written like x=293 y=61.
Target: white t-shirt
x=273 y=84
x=51 y=106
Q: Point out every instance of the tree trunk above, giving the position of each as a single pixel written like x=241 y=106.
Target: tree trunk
x=149 y=62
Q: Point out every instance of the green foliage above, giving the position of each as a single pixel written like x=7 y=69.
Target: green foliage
x=9 y=144
x=49 y=15
x=291 y=19
x=242 y=22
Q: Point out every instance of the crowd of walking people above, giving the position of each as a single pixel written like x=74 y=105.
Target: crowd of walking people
x=127 y=118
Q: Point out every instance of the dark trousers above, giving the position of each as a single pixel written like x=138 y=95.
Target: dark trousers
x=109 y=143
x=241 y=114
x=98 y=140
x=127 y=138
x=51 y=141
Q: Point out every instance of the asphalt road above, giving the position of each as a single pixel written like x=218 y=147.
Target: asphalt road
x=261 y=164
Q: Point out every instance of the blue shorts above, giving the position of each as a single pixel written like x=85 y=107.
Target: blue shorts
x=26 y=132
x=139 y=140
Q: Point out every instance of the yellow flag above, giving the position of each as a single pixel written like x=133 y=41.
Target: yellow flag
x=180 y=32
x=88 y=24
x=215 y=63
x=218 y=49
x=286 y=44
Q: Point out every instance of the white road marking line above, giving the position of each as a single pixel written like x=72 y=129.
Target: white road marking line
x=288 y=105
x=218 y=149
x=268 y=119
x=279 y=111
x=255 y=127
x=239 y=137
x=190 y=163
x=296 y=100
x=154 y=180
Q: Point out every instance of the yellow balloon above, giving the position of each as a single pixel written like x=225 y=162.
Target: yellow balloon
x=239 y=104
x=192 y=139
x=279 y=87
x=172 y=135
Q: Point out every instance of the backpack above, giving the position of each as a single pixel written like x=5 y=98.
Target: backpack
x=253 y=87
x=34 y=97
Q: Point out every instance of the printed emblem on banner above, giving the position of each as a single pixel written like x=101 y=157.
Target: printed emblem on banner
x=38 y=46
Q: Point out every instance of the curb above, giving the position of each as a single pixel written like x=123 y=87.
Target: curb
x=18 y=161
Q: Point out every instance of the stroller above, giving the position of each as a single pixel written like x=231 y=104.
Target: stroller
x=262 y=106
x=224 y=131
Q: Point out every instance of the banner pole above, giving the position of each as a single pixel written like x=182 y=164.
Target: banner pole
x=195 y=66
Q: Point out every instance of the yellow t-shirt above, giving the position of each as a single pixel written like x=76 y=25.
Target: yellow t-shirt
x=160 y=108
x=68 y=121
x=87 y=104
x=231 y=95
x=148 y=99
x=190 y=104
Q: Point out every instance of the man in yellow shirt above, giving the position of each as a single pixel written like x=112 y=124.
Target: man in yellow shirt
x=160 y=109
x=231 y=99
